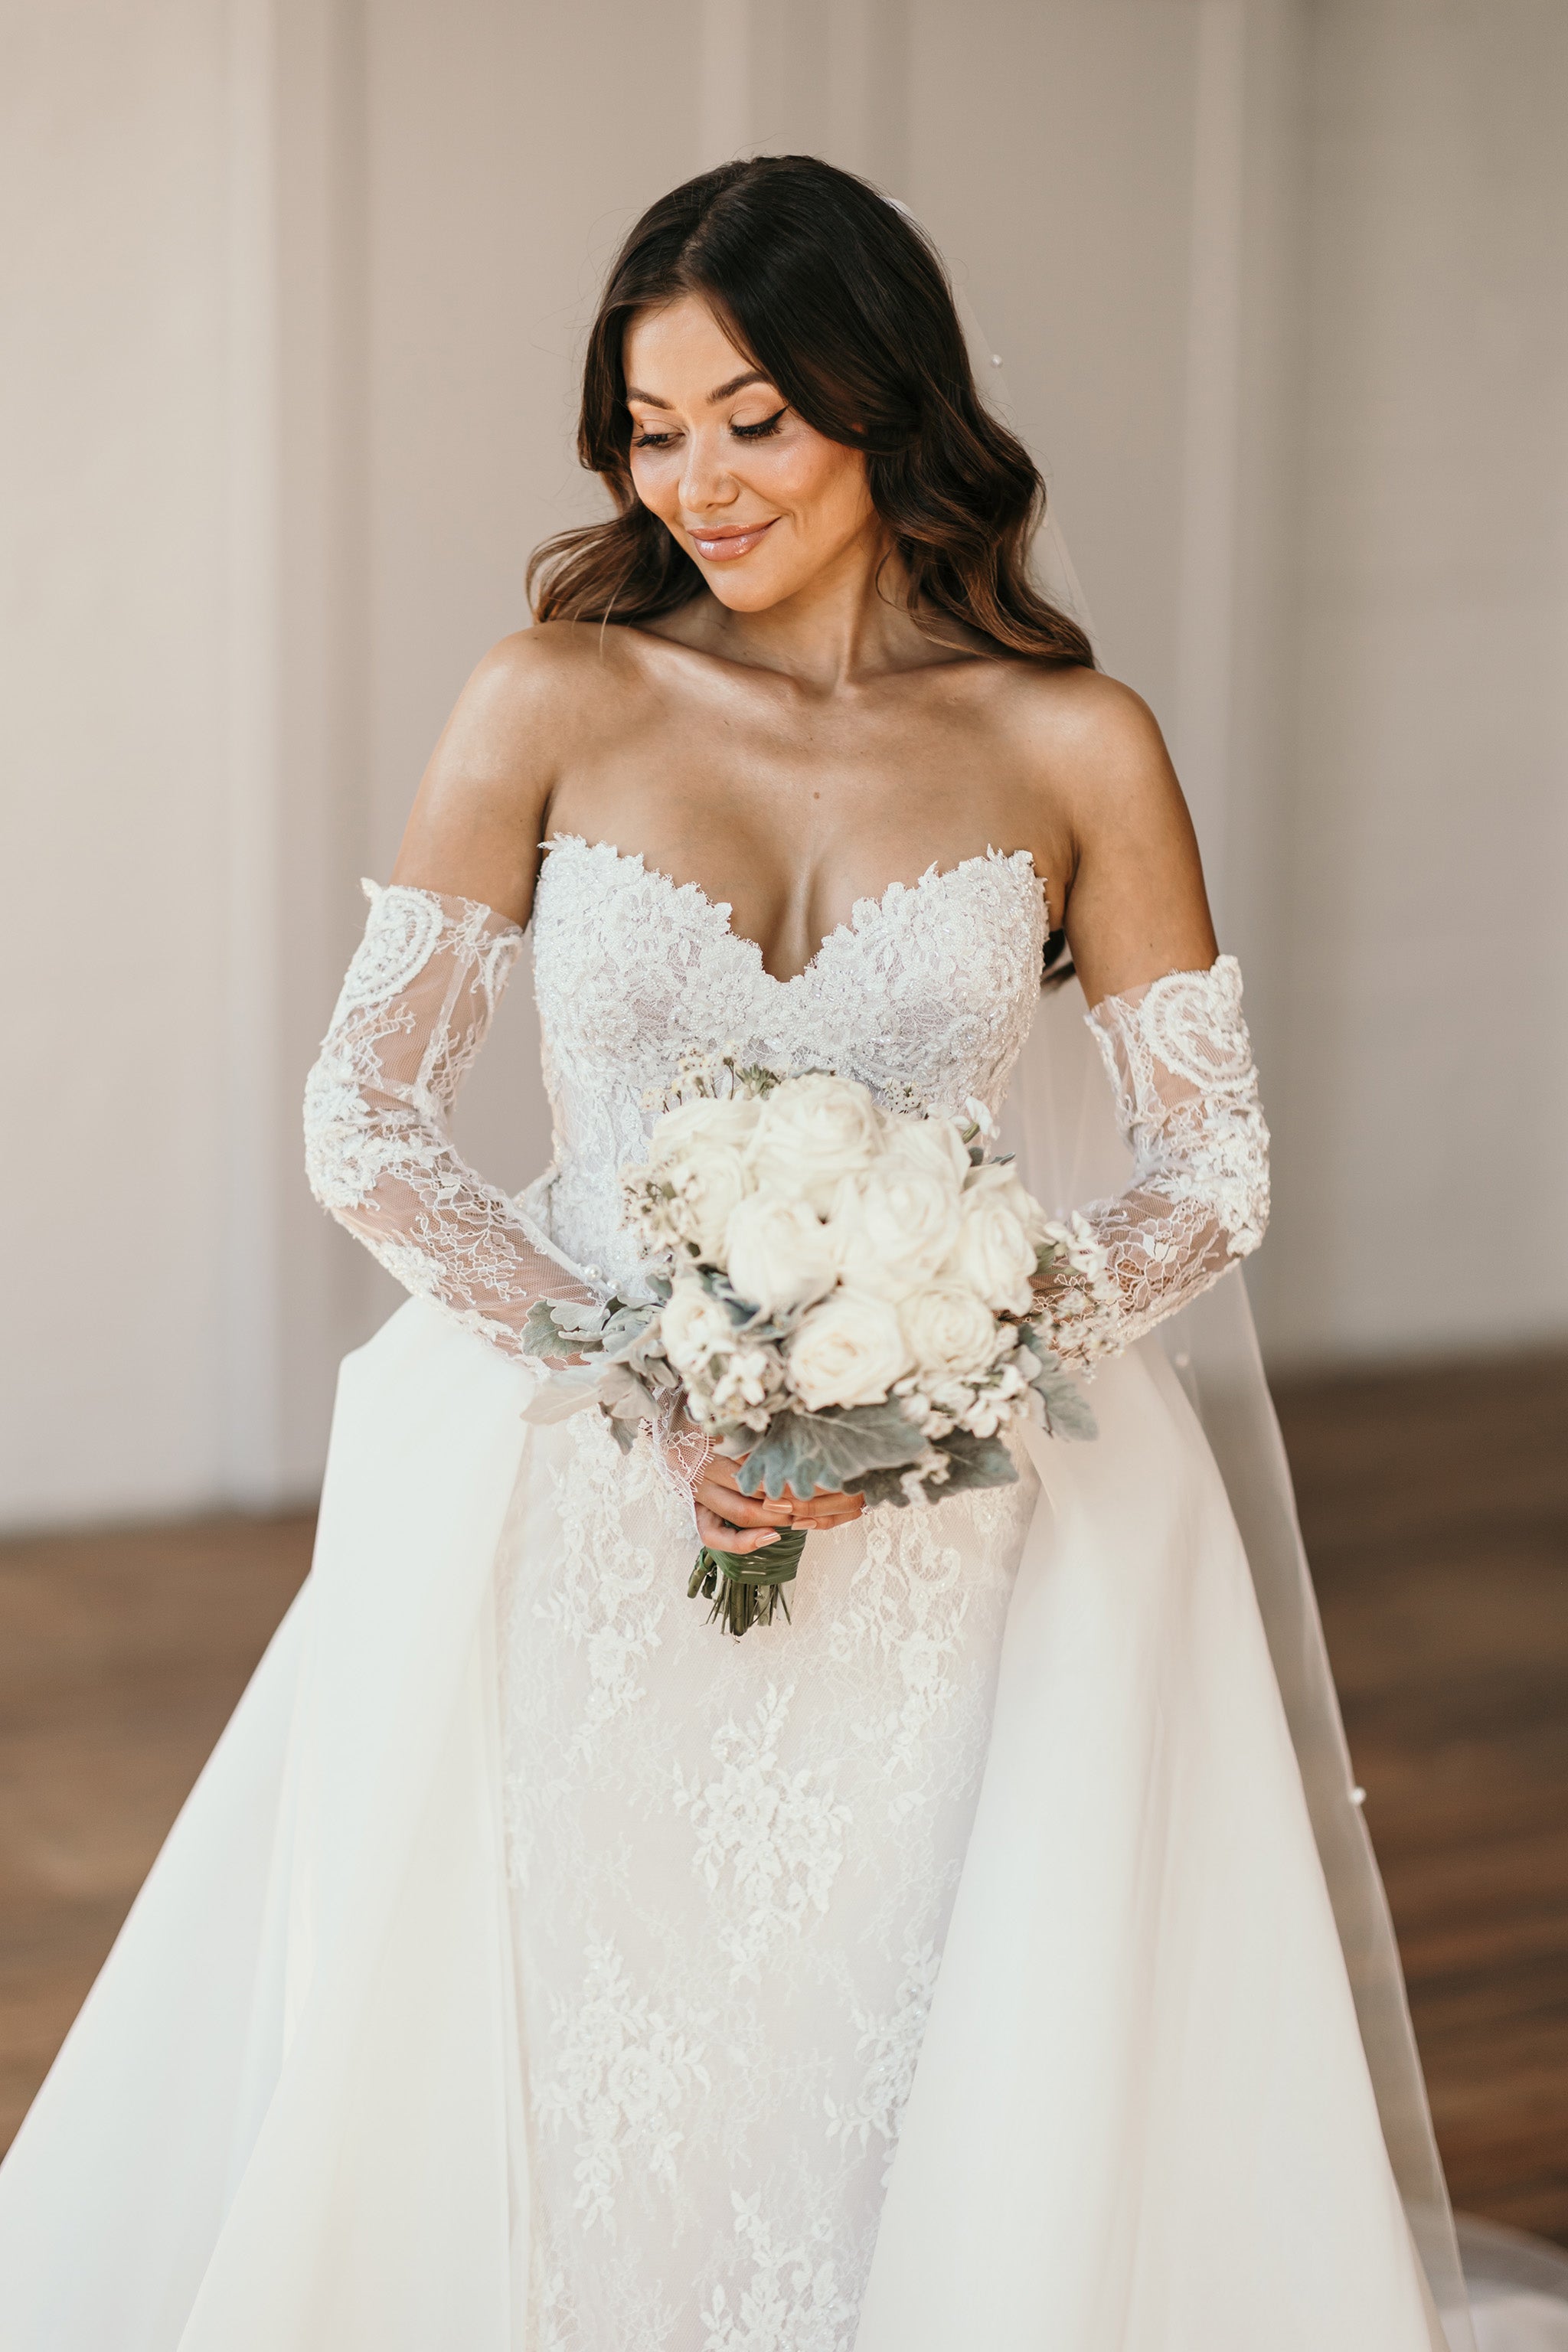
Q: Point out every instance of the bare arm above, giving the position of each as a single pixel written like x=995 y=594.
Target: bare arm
x=1166 y=1015
x=1136 y=906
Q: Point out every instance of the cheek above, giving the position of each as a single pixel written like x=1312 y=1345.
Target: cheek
x=827 y=495
x=655 y=478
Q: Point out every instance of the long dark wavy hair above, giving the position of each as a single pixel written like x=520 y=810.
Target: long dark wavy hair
x=839 y=298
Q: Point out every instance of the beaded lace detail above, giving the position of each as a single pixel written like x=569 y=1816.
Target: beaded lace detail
x=415 y=1005
x=1180 y=1059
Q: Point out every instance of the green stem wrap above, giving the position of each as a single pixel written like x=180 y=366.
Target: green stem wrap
x=745 y=1586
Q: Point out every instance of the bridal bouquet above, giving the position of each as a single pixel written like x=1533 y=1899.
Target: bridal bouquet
x=835 y=1295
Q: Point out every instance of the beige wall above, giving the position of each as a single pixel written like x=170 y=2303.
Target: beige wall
x=1423 y=1112
x=300 y=298
x=113 y=713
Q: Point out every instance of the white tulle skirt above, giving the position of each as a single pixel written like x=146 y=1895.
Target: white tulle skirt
x=295 y=2109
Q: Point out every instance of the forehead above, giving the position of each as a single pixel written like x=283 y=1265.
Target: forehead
x=680 y=351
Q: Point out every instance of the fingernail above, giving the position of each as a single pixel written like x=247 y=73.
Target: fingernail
x=765 y=1540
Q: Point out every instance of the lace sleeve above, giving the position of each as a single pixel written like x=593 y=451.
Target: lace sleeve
x=1180 y=1059
x=417 y=1000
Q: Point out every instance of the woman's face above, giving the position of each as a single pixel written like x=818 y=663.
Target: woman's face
x=762 y=502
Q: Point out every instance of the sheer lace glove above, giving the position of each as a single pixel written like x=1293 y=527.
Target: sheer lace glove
x=1180 y=1059
x=415 y=1005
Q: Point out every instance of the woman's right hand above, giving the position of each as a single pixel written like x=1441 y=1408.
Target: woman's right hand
x=728 y=1521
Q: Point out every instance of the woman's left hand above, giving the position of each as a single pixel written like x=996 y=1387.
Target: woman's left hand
x=728 y=1521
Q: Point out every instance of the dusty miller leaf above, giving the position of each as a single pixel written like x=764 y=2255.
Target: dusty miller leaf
x=810 y=1451
x=972 y=1462
x=564 y=1393
x=1067 y=1409
x=546 y=1331
x=623 y=1431
x=625 y=1330
x=880 y=1486
x=622 y=1396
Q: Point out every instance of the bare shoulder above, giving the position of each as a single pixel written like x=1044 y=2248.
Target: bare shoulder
x=1089 y=746
x=1099 y=780
x=529 y=706
x=545 y=678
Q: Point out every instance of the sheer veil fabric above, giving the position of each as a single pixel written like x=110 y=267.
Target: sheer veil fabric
x=1059 y=1121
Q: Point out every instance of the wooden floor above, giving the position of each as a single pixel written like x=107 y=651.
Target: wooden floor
x=1435 y=1506
x=1436 y=1511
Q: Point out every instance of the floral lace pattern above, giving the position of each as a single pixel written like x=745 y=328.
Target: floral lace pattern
x=621 y=2078
x=414 y=1008
x=733 y=1868
x=777 y=1832
x=793 y=2301
x=1180 y=1059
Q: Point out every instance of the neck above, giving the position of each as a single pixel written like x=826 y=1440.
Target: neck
x=848 y=623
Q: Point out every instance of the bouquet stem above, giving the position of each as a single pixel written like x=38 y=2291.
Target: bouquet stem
x=744 y=1586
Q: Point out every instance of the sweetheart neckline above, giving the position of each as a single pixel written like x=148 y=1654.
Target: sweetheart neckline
x=860 y=913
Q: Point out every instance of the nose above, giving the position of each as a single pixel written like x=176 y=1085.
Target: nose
x=706 y=481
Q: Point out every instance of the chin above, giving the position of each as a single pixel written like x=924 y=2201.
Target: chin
x=754 y=594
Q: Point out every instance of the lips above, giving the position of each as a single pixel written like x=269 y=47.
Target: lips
x=723 y=546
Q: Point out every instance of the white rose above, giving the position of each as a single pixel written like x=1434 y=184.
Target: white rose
x=994 y=1254
x=932 y=1144
x=776 y=1254
x=893 y=1228
x=694 y=1326
x=727 y=1120
x=709 y=1186
x=949 y=1331
x=998 y=1181
x=812 y=1133
x=849 y=1350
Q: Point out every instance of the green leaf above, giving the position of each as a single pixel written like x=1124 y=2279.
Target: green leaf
x=820 y=1451
x=1067 y=1409
x=625 y=1432
x=566 y=1392
x=622 y=1396
x=561 y=1327
x=973 y=1463
x=541 y=1332
x=879 y=1487
x=625 y=1330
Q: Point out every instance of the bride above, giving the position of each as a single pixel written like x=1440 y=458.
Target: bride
x=954 y=1965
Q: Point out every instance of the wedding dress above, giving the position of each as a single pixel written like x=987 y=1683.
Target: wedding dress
x=533 y=1966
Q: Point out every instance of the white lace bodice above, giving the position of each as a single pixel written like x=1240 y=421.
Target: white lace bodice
x=930 y=989
x=926 y=993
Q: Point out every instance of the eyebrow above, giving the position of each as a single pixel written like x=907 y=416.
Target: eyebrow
x=725 y=391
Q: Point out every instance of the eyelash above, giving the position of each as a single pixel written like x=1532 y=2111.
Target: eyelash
x=763 y=432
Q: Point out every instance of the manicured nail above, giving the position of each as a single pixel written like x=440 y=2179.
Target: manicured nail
x=763 y=1540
